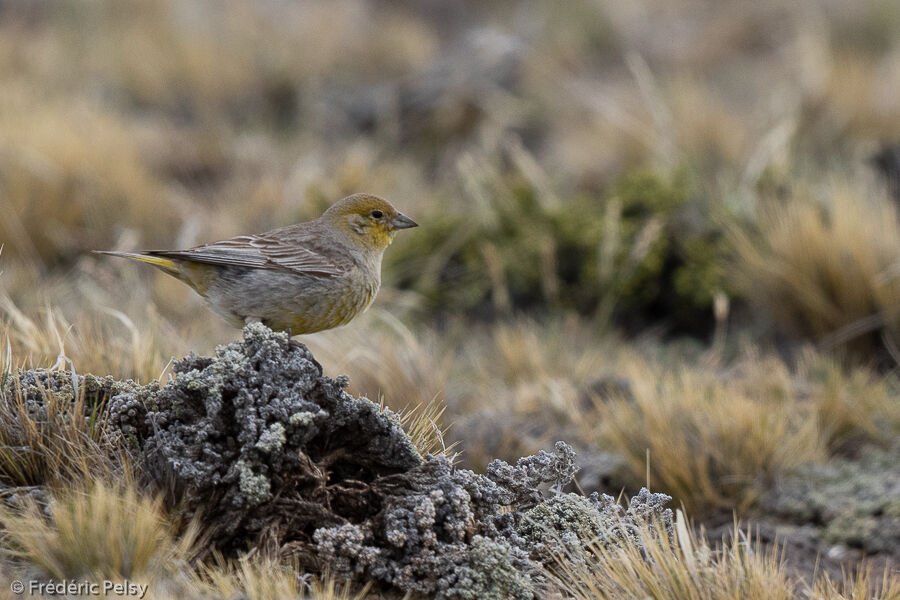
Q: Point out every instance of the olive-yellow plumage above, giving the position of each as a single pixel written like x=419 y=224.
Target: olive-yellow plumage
x=304 y=278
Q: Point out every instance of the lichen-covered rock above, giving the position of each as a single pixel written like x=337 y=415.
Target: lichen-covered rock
x=260 y=443
x=522 y=482
x=561 y=526
x=452 y=533
x=422 y=541
x=33 y=387
x=857 y=502
x=567 y=524
x=269 y=453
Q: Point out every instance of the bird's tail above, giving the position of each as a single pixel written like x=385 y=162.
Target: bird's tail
x=157 y=261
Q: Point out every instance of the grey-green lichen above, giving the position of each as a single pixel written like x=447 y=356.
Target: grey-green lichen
x=561 y=525
x=451 y=533
x=256 y=488
x=256 y=436
x=856 y=502
x=273 y=438
x=490 y=574
x=33 y=387
x=268 y=452
x=568 y=524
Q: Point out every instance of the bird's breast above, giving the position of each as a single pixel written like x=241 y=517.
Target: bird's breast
x=336 y=302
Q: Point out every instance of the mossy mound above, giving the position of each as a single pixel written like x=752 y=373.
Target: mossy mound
x=270 y=454
x=260 y=443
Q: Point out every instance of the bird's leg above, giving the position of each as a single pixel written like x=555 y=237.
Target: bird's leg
x=294 y=344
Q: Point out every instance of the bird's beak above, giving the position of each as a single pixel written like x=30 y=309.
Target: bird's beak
x=401 y=221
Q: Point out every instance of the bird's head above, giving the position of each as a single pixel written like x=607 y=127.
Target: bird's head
x=367 y=220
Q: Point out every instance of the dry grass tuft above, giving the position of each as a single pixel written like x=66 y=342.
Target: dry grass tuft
x=106 y=531
x=534 y=369
x=717 y=437
x=685 y=567
x=60 y=445
x=257 y=578
x=385 y=359
x=827 y=268
x=64 y=153
x=104 y=342
x=862 y=585
x=710 y=443
x=853 y=406
x=516 y=387
x=423 y=424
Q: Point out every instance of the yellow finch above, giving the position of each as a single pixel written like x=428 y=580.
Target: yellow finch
x=302 y=278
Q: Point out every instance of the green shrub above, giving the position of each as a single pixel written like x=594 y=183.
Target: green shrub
x=641 y=254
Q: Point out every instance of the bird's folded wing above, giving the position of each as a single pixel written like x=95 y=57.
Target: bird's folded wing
x=262 y=252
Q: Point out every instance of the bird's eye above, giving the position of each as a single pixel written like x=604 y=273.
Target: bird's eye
x=377 y=214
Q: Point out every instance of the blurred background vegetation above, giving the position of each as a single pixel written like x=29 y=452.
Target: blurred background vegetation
x=667 y=231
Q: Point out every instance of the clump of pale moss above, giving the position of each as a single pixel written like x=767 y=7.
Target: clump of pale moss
x=267 y=452
x=257 y=439
x=855 y=503
x=566 y=524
